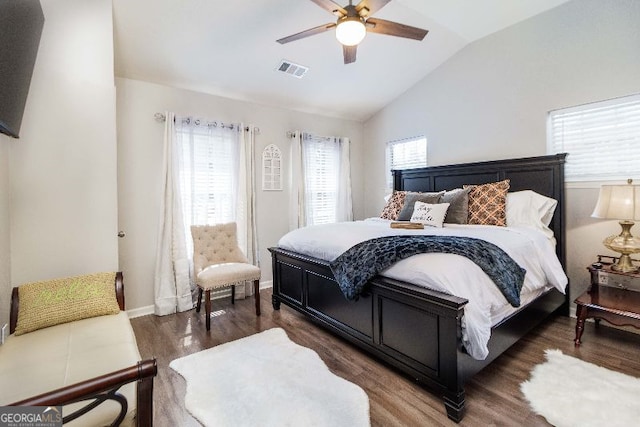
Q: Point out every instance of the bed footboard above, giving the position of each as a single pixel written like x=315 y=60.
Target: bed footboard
x=100 y=389
x=410 y=328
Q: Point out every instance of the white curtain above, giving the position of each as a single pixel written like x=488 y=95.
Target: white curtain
x=296 y=183
x=246 y=203
x=344 y=206
x=321 y=180
x=171 y=282
x=217 y=181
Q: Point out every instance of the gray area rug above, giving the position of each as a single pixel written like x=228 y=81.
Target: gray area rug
x=268 y=380
x=570 y=392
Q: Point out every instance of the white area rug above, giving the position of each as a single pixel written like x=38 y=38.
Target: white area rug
x=268 y=380
x=570 y=392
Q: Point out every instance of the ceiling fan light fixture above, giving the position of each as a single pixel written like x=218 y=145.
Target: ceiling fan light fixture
x=350 y=30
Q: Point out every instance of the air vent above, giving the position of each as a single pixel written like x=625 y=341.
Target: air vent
x=294 y=70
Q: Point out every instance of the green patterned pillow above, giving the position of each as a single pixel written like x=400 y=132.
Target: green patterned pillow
x=52 y=302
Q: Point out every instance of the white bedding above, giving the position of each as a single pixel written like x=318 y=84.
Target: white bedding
x=448 y=273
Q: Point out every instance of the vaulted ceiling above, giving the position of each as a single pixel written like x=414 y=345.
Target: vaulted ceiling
x=228 y=48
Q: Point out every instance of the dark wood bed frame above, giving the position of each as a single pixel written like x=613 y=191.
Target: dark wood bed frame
x=413 y=329
x=102 y=388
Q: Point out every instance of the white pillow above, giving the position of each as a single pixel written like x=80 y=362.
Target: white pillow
x=528 y=208
x=429 y=214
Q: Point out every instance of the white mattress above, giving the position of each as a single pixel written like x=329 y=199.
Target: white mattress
x=448 y=273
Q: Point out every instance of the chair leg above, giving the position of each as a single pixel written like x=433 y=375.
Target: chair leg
x=207 y=308
x=233 y=294
x=256 y=294
x=199 y=300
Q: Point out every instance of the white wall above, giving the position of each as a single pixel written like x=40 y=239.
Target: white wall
x=63 y=168
x=140 y=164
x=490 y=101
x=5 y=242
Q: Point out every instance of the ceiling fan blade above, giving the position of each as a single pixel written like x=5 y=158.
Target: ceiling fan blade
x=349 y=53
x=371 y=5
x=390 y=28
x=307 y=33
x=331 y=7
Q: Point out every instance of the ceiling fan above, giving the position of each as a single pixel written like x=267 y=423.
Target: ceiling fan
x=353 y=24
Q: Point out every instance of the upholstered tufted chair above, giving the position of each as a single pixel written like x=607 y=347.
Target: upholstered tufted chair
x=219 y=263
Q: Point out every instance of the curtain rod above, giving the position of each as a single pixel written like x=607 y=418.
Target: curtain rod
x=160 y=117
x=291 y=133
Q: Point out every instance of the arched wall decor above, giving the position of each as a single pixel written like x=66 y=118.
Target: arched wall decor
x=271 y=168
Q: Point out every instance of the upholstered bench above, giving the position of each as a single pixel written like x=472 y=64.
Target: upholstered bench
x=75 y=362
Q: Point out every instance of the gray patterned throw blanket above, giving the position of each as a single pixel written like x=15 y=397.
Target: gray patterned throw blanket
x=357 y=265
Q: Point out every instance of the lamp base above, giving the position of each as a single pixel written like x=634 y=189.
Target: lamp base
x=624 y=265
x=625 y=244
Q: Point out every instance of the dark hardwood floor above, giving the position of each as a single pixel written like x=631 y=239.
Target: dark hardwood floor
x=493 y=396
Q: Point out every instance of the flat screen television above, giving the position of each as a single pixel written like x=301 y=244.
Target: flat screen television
x=21 y=23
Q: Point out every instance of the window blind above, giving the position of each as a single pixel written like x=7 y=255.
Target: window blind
x=208 y=175
x=602 y=139
x=321 y=171
x=405 y=154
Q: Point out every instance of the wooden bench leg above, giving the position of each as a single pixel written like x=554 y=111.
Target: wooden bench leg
x=256 y=294
x=207 y=308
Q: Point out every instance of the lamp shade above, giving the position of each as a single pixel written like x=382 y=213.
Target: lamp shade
x=620 y=202
x=350 y=31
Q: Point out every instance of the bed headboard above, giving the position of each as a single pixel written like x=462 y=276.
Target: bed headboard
x=544 y=175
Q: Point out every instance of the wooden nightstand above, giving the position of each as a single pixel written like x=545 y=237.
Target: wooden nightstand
x=612 y=296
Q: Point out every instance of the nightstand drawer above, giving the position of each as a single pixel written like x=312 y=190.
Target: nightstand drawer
x=603 y=274
x=619 y=281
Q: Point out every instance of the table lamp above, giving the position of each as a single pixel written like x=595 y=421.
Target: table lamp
x=620 y=202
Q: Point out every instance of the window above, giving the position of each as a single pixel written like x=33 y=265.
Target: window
x=405 y=154
x=321 y=157
x=209 y=163
x=320 y=180
x=602 y=139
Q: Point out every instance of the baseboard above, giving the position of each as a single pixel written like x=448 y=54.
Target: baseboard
x=224 y=293
x=140 y=311
x=266 y=284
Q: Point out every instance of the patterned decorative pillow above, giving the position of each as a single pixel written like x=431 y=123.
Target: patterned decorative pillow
x=394 y=206
x=52 y=302
x=487 y=203
x=429 y=214
x=410 y=200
